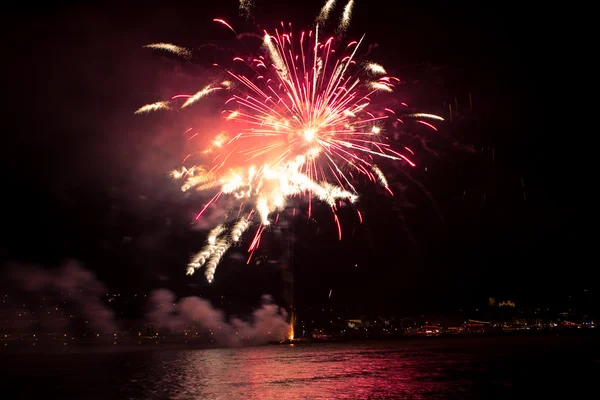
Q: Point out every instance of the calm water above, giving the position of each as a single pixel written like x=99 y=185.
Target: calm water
x=457 y=368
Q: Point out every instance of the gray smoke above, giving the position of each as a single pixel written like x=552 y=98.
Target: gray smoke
x=267 y=323
x=71 y=284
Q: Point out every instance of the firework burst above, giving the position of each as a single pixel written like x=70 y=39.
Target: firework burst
x=301 y=122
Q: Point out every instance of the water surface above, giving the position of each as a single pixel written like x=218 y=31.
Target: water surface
x=458 y=368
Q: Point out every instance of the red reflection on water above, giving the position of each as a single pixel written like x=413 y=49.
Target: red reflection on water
x=284 y=372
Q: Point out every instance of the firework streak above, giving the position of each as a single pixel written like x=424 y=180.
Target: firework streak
x=300 y=123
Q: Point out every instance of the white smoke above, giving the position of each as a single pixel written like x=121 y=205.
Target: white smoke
x=267 y=323
x=73 y=284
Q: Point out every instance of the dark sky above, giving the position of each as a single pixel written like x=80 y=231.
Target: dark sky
x=83 y=173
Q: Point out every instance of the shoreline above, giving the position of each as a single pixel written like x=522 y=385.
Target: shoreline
x=52 y=348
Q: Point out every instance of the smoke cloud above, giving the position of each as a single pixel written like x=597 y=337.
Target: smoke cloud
x=267 y=323
x=70 y=286
x=70 y=299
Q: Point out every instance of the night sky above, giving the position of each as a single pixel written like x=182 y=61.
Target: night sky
x=85 y=178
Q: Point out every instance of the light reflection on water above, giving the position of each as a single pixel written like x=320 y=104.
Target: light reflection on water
x=326 y=371
x=301 y=372
x=459 y=369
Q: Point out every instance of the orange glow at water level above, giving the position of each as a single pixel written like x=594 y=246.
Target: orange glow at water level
x=291 y=332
